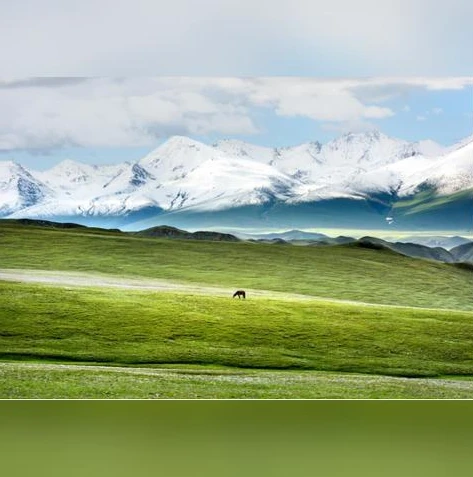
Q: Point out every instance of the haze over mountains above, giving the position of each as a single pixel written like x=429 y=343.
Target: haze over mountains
x=365 y=180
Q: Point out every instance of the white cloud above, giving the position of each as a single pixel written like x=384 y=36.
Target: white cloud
x=328 y=106
x=436 y=83
x=420 y=117
x=437 y=111
x=45 y=113
x=103 y=112
x=314 y=98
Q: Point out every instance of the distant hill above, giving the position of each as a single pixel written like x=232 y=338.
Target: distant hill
x=340 y=240
x=291 y=235
x=278 y=241
x=435 y=241
x=56 y=225
x=409 y=249
x=459 y=254
x=463 y=253
x=300 y=237
x=48 y=223
x=164 y=231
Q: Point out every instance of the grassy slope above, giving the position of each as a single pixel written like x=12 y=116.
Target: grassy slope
x=130 y=327
x=345 y=272
x=145 y=328
x=45 y=381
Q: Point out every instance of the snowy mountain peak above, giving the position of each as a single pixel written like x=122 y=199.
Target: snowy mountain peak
x=177 y=157
x=8 y=168
x=360 y=139
x=71 y=169
x=18 y=188
x=245 y=150
x=365 y=136
x=315 y=145
x=467 y=142
x=186 y=174
x=183 y=141
x=178 y=143
x=12 y=171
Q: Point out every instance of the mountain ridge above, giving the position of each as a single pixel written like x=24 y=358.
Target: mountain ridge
x=187 y=177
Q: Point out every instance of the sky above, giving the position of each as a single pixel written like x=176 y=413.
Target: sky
x=110 y=120
x=329 y=38
x=106 y=81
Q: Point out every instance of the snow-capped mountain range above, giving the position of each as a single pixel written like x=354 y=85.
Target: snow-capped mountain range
x=183 y=175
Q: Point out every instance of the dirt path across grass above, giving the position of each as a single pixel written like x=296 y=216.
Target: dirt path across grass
x=83 y=279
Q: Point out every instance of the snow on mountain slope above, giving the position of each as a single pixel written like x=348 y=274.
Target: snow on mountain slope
x=301 y=161
x=449 y=173
x=128 y=179
x=245 y=150
x=364 y=150
x=177 y=157
x=183 y=173
x=82 y=189
x=337 y=162
x=18 y=188
x=70 y=176
x=429 y=148
x=227 y=182
x=189 y=173
x=389 y=178
x=180 y=173
x=297 y=161
x=355 y=164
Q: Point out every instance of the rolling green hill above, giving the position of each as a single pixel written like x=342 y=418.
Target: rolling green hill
x=344 y=272
x=144 y=328
x=205 y=344
x=164 y=231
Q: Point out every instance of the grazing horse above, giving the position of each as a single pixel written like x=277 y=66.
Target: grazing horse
x=239 y=294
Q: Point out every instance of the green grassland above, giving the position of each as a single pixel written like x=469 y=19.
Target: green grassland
x=261 y=347
x=219 y=347
x=342 y=272
x=44 y=381
x=141 y=327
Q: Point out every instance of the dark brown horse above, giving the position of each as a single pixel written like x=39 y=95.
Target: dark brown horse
x=239 y=294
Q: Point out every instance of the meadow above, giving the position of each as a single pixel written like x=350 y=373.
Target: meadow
x=168 y=344
x=344 y=272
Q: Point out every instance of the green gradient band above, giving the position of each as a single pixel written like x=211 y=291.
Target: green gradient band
x=210 y=438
